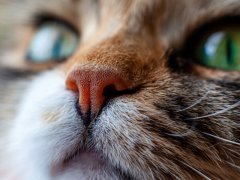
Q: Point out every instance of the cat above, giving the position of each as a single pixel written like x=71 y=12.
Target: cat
x=97 y=89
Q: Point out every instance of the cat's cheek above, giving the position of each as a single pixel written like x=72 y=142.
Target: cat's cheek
x=46 y=126
x=118 y=132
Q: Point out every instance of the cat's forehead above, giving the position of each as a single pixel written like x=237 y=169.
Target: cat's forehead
x=169 y=16
x=137 y=7
x=129 y=9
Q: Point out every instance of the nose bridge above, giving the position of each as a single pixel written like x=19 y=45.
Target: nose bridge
x=122 y=54
x=113 y=52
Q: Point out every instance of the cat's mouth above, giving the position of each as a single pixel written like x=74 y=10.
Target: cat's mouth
x=83 y=160
x=88 y=162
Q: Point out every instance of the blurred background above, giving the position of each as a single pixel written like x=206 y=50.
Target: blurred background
x=3 y=21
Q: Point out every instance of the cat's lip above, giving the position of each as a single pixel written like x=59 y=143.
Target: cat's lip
x=88 y=162
x=86 y=159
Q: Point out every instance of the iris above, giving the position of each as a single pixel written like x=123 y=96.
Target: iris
x=52 y=42
x=221 y=50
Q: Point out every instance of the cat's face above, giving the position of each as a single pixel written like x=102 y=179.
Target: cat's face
x=129 y=100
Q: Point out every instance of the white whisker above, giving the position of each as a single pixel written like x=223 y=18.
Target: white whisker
x=180 y=135
x=217 y=113
x=233 y=165
x=235 y=153
x=188 y=132
x=222 y=139
x=196 y=103
x=197 y=171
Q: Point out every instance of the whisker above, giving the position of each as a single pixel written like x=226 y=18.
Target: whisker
x=196 y=103
x=217 y=113
x=196 y=171
x=233 y=165
x=188 y=132
x=180 y=135
x=222 y=139
x=234 y=153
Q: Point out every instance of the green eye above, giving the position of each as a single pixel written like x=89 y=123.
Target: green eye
x=221 y=50
x=52 y=42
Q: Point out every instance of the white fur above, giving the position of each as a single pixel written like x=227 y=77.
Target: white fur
x=37 y=144
x=47 y=128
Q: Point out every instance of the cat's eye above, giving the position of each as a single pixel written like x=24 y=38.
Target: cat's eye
x=220 y=50
x=52 y=42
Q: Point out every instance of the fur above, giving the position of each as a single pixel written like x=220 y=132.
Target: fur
x=180 y=121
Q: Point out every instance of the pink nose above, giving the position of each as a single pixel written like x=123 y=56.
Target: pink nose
x=94 y=88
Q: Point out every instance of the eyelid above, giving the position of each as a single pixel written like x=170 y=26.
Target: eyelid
x=43 y=18
x=205 y=29
x=183 y=57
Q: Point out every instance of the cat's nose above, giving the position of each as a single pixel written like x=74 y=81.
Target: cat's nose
x=94 y=88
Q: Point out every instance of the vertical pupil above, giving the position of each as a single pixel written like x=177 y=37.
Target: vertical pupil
x=229 y=50
x=57 y=47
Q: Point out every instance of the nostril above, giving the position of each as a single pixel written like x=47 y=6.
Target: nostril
x=71 y=85
x=110 y=91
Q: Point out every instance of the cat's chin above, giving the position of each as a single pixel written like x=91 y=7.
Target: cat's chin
x=86 y=161
x=87 y=165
